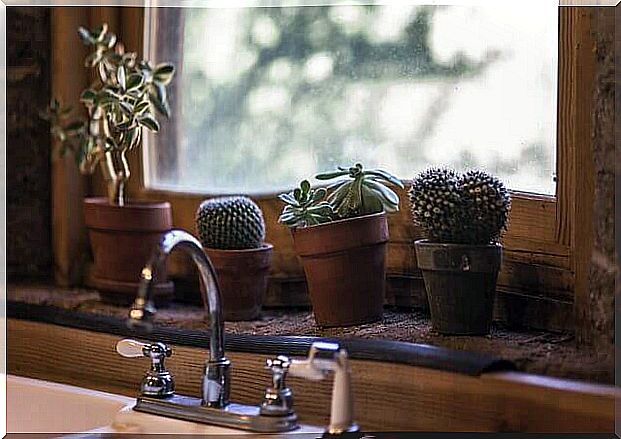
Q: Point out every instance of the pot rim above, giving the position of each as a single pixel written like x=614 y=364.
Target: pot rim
x=309 y=229
x=131 y=204
x=266 y=246
x=428 y=243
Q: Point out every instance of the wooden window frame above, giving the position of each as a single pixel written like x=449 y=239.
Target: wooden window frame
x=544 y=278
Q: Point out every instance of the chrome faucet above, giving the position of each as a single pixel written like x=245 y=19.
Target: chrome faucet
x=275 y=413
x=216 y=378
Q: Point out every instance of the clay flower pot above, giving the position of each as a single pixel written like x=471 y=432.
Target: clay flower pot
x=345 y=263
x=242 y=278
x=461 y=285
x=122 y=239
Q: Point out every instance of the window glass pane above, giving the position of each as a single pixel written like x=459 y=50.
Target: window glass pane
x=268 y=96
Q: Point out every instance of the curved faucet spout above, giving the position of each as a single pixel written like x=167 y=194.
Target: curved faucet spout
x=216 y=385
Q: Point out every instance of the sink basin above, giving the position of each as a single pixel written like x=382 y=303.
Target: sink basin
x=35 y=406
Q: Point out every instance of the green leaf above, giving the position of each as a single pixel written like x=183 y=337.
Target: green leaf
x=99 y=33
x=121 y=77
x=386 y=176
x=385 y=192
x=163 y=73
x=126 y=108
x=110 y=40
x=88 y=96
x=331 y=175
x=159 y=100
x=141 y=107
x=288 y=199
x=85 y=36
x=319 y=194
x=134 y=81
x=305 y=186
x=149 y=122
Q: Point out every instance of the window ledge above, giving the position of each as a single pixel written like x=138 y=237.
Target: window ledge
x=534 y=352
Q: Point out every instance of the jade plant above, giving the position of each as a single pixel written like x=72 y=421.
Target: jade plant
x=358 y=192
x=125 y=97
x=471 y=208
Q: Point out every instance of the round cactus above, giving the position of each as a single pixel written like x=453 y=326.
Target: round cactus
x=462 y=209
x=486 y=205
x=230 y=223
x=434 y=199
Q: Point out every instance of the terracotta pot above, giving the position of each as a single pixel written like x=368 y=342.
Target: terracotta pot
x=242 y=277
x=461 y=285
x=122 y=239
x=345 y=263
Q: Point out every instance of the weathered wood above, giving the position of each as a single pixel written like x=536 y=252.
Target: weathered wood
x=69 y=77
x=387 y=396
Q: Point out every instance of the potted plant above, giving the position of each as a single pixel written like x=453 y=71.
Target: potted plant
x=341 y=241
x=463 y=217
x=122 y=100
x=232 y=231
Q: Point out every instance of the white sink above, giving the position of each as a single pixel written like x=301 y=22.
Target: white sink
x=35 y=406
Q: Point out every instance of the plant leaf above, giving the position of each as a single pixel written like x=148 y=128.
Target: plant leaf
x=331 y=175
x=386 y=176
x=148 y=121
x=163 y=73
x=159 y=100
x=85 y=36
x=88 y=96
x=121 y=77
x=385 y=192
x=134 y=81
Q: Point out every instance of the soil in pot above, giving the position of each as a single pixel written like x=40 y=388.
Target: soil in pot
x=461 y=285
x=122 y=240
x=345 y=266
x=242 y=277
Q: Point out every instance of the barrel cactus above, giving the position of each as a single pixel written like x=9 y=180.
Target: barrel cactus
x=230 y=223
x=471 y=208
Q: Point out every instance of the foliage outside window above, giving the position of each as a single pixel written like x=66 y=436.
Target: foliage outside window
x=267 y=96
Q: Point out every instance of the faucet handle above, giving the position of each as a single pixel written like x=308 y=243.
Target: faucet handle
x=157 y=382
x=278 y=398
x=131 y=348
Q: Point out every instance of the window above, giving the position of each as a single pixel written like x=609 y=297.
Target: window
x=266 y=96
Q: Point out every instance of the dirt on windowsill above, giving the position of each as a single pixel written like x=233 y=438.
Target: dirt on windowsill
x=537 y=352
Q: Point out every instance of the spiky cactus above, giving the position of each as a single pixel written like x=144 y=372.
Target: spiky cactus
x=471 y=208
x=486 y=204
x=434 y=199
x=230 y=223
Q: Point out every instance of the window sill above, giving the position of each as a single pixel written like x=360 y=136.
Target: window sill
x=535 y=352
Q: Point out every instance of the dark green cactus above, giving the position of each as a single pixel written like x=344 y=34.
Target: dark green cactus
x=461 y=209
x=486 y=204
x=230 y=223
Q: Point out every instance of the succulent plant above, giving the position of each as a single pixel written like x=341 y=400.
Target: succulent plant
x=121 y=101
x=305 y=207
x=362 y=191
x=230 y=223
x=471 y=208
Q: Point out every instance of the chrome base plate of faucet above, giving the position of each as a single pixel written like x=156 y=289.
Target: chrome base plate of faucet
x=240 y=416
